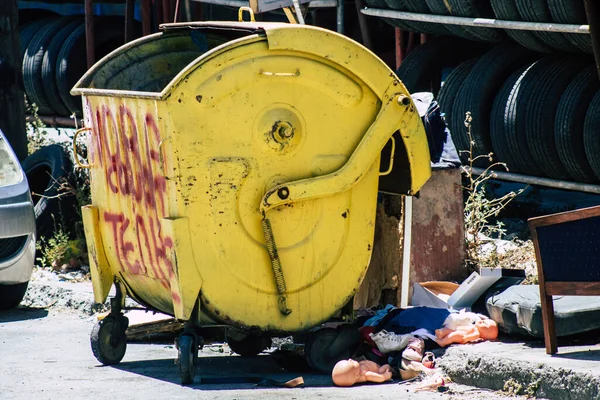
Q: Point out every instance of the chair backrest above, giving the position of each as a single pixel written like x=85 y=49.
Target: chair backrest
x=567 y=251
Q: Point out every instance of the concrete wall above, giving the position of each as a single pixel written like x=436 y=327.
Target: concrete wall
x=437 y=241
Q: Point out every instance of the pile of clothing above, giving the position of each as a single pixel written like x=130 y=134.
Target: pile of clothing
x=400 y=337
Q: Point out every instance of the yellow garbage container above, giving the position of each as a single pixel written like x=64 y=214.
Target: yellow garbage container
x=234 y=176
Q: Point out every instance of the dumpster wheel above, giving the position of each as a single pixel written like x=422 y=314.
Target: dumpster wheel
x=108 y=340
x=187 y=357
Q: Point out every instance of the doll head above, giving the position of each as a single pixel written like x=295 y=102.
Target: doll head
x=488 y=329
x=346 y=372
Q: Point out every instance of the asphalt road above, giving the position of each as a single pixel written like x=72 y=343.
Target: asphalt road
x=48 y=356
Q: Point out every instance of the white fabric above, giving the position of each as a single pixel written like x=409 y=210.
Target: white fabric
x=463 y=318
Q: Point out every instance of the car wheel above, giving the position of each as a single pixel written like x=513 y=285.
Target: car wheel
x=11 y=295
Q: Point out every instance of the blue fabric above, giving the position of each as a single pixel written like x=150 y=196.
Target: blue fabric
x=374 y=320
x=411 y=319
x=441 y=147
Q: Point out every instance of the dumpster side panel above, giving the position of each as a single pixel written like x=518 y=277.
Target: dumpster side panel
x=129 y=188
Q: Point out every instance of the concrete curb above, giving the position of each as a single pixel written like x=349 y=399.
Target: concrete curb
x=527 y=370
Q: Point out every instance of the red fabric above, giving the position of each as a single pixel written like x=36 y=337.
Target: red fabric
x=364 y=334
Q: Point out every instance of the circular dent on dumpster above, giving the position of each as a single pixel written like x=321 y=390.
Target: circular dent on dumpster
x=279 y=129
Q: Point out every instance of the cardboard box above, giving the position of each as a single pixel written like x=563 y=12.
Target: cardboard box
x=432 y=294
x=450 y=295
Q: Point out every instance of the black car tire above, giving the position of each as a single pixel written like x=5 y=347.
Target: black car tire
x=478 y=93
x=49 y=67
x=421 y=70
x=476 y=9
x=447 y=98
x=32 y=64
x=507 y=10
x=569 y=125
x=571 y=12
x=46 y=169
x=12 y=295
x=591 y=138
x=438 y=7
x=498 y=121
x=537 y=11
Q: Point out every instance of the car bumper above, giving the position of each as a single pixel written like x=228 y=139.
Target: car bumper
x=17 y=242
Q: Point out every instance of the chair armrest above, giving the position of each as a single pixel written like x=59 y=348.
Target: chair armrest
x=567 y=216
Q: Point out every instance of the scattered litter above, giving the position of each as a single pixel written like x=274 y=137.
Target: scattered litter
x=433 y=383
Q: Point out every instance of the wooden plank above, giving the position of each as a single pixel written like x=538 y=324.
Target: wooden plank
x=545 y=300
x=562 y=217
x=149 y=329
x=573 y=288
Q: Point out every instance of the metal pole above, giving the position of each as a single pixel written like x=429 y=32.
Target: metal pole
x=593 y=17
x=535 y=180
x=176 y=11
x=340 y=16
x=363 y=24
x=299 y=16
x=146 y=18
x=479 y=22
x=89 y=33
x=129 y=8
x=188 y=10
x=398 y=42
x=54 y=121
x=407 y=215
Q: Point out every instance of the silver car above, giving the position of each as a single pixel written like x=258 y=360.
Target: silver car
x=17 y=228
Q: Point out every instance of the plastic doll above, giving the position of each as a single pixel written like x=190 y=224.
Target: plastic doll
x=484 y=329
x=348 y=372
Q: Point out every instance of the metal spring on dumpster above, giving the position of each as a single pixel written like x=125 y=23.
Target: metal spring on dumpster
x=276 y=265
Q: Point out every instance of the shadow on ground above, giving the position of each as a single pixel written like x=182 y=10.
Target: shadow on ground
x=22 y=314
x=236 y=370
x=591 y=355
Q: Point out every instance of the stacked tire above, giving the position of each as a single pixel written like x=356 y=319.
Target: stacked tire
x=536 y=113
x=54 y=59
x=546 y=11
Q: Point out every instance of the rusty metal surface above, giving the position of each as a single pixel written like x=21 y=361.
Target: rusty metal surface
x=438 y=247
x=89 y=33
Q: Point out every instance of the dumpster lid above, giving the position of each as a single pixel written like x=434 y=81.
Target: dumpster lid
x=248 y=27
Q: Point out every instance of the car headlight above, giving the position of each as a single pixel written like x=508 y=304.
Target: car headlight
x=10 y=169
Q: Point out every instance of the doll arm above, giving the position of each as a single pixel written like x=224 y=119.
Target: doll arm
x=443 y=332
x=378 y=377
x=385 y=368
x=458 y=336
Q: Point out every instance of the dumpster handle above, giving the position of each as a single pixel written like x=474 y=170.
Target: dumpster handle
x=161 y=159
x=397 y=112
x=241 y=14
x=391 y=166
x=295 y=73
x=75 y=156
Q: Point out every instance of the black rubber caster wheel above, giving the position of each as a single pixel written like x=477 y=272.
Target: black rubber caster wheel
x=187 y=357
x=325 y=347
x=247 y=344
x=108 y=340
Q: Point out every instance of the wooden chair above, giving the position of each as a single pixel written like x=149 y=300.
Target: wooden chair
x=567 y=250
